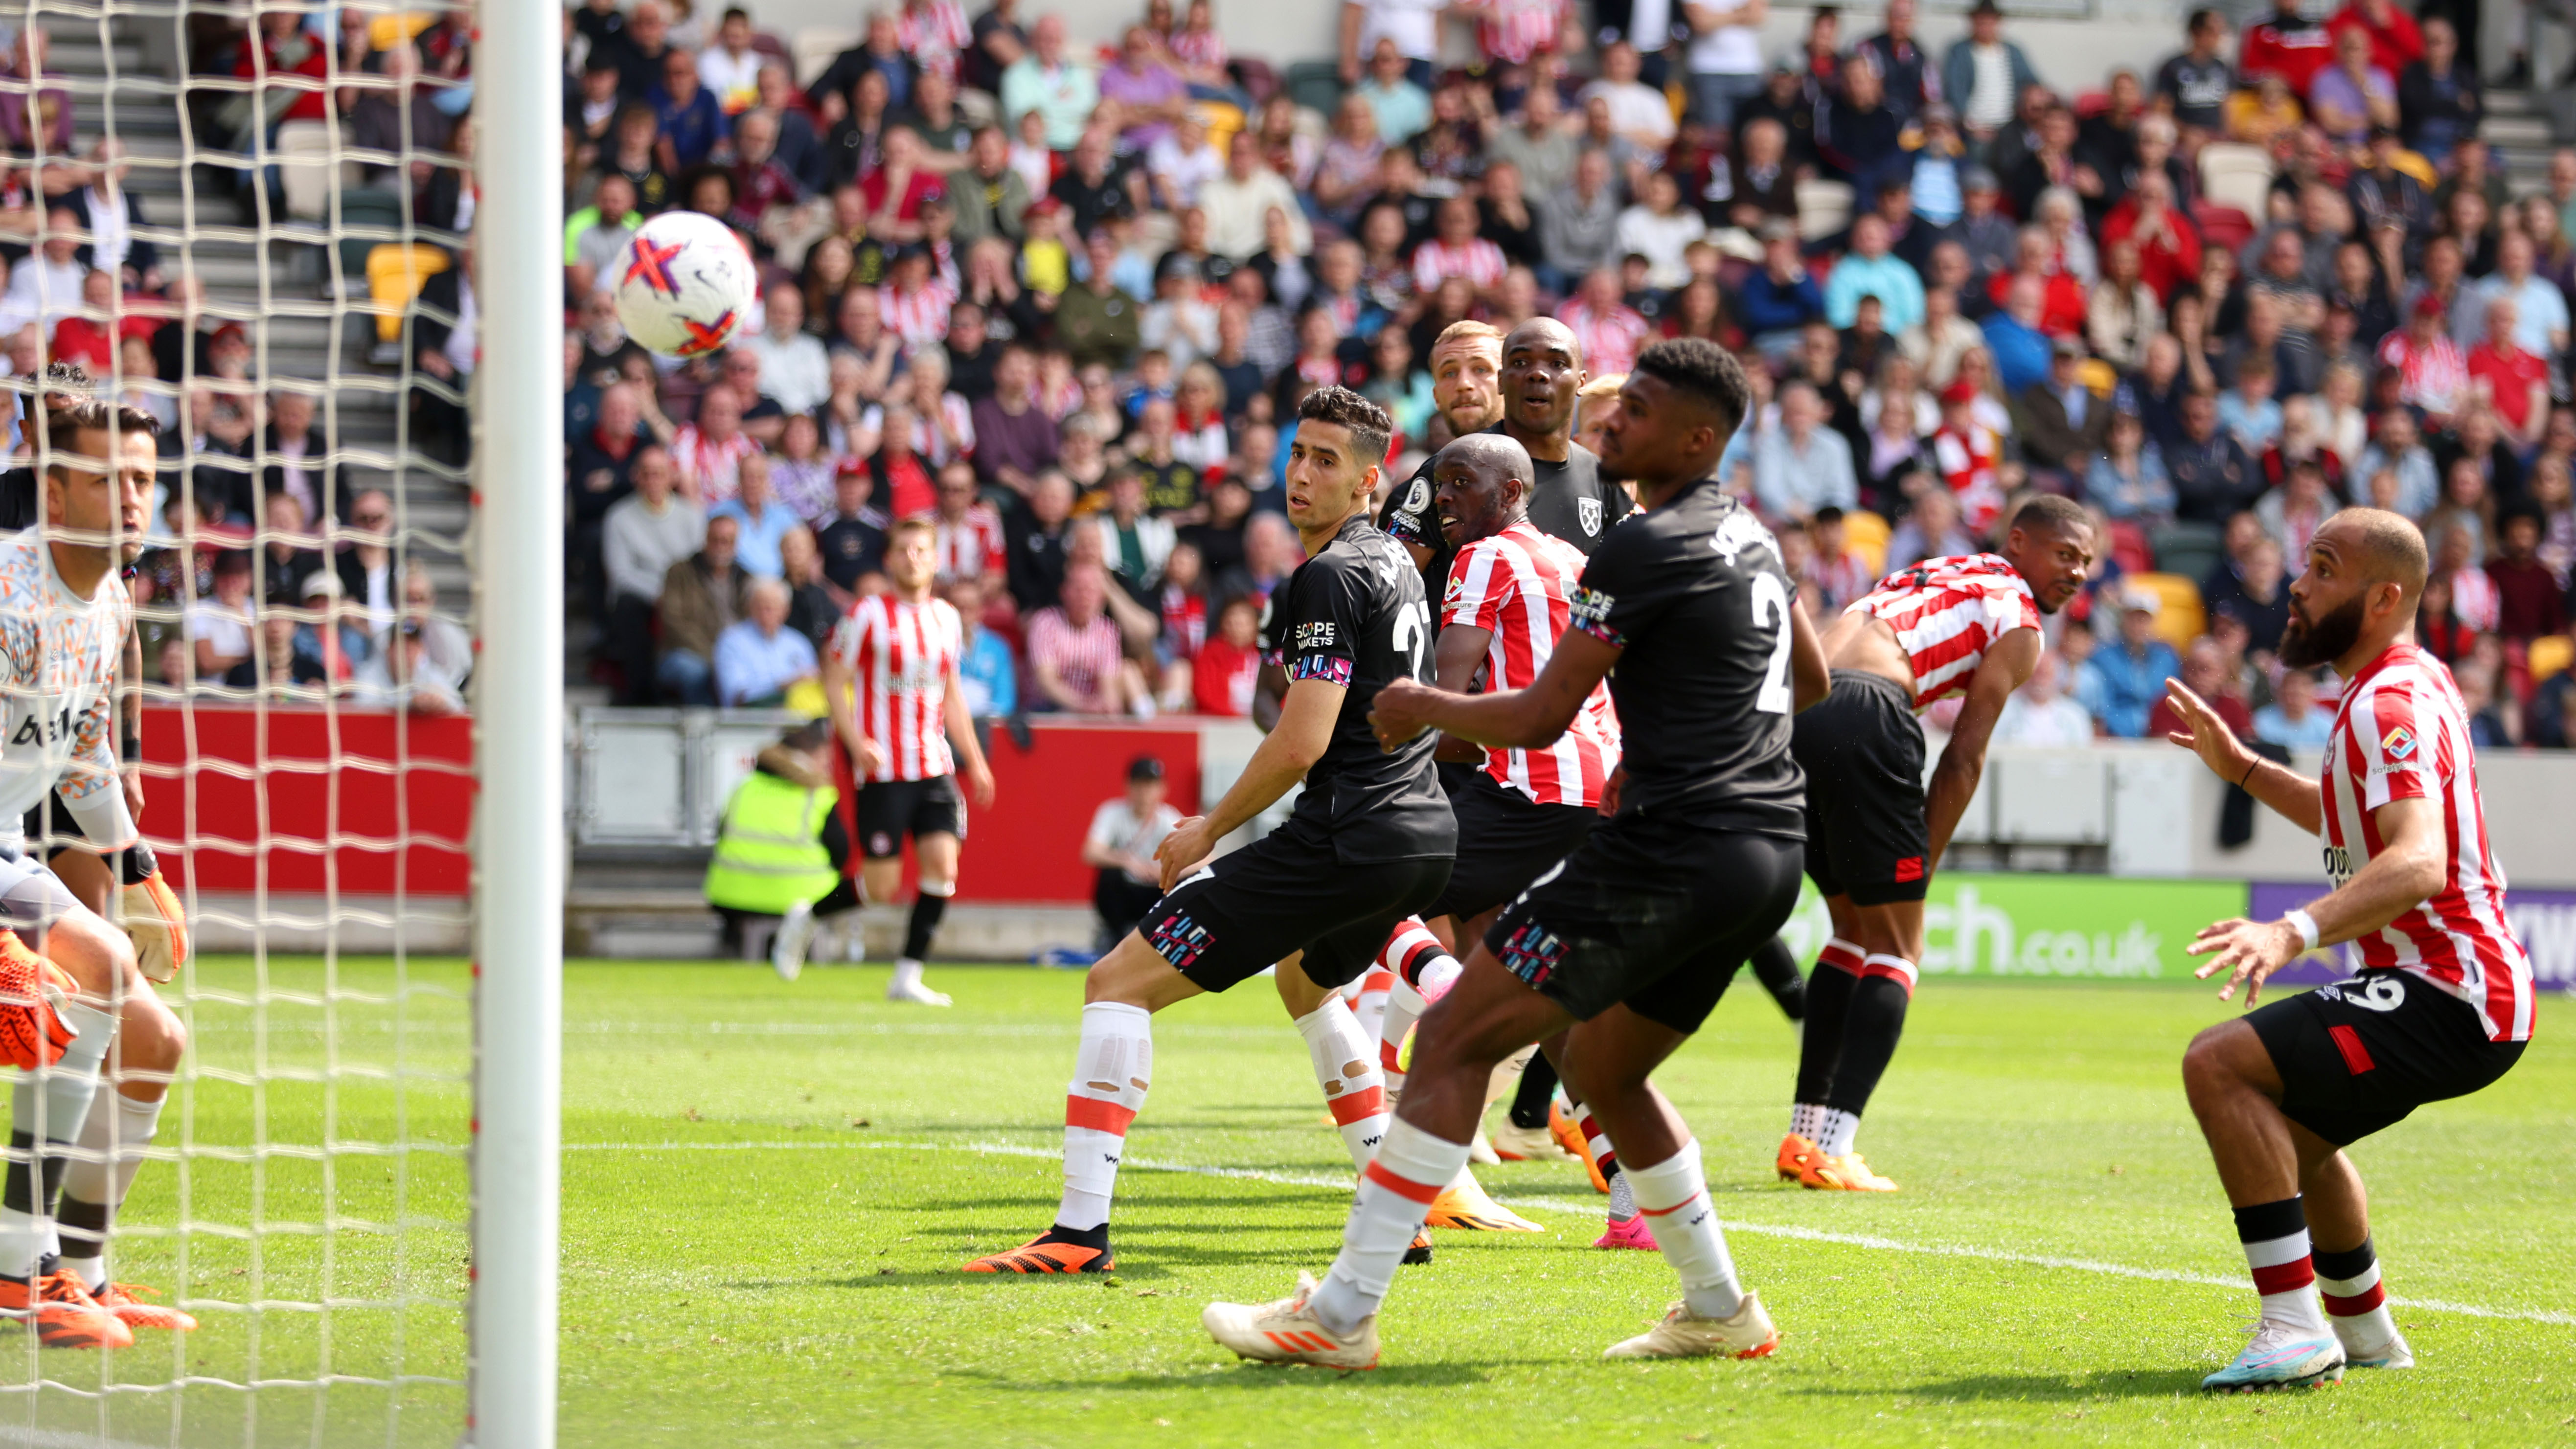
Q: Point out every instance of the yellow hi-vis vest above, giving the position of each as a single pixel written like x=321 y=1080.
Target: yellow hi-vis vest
x=771 y=856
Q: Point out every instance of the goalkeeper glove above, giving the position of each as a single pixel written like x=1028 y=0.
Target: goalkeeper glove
x=153 y=919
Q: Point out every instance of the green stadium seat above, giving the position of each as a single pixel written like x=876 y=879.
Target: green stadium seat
x=2189 y=549
x=1316 y=85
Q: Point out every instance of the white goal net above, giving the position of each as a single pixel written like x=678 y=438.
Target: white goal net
x=253 y=221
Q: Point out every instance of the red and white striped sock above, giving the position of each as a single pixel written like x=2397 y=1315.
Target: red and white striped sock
x=1396 y=1192
x=1110 y=1073
x=1423 y=972
x=1844 y=956
x=1370 y=1005
x=1894 y=968
x=2357 y=1305
x=1604 y=1156
x=2275 y=1237
x=1353 y=1088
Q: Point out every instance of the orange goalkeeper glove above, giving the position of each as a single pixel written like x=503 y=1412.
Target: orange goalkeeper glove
x=153 y=920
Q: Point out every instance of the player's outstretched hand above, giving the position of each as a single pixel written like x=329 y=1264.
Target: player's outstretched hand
x=2206 y=735
x=1401 y=711
x=1184 y=850
x=2248 y=951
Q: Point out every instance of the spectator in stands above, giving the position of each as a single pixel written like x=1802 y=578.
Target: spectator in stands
x=1869 y=269
x=852 y=536
x=1239 y=204
x=643 y=537
x=1049 y=81
x=1984 y=74
x=2061 y=423
x=2205 y=672
x=2292 y=720
x=2530 y=600
x=762 y=522
x=1132 y=542
x=1120 y=846
x=984 y=662
x=221 y=628
x=2040 y=714
x=702 y=596
x=2261 y=602
x=2440 y=100
x=1037 y=534
x=2127 y=477
x=1400 y=108
x=2196 y=83
x=2130 y=672
x=2212 y=477
x=2398 y=451
x=45 y=286
x=690 y=122
x=758 y=658
x=365 y=561
x=1803 y=465
x=794 y=370
x=291 y=554
x=2015 y=341
x=1075 y=654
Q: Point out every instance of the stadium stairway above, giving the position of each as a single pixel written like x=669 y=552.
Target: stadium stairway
x=273 y=287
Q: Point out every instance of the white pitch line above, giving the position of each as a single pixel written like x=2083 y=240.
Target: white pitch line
x=1768 y=1230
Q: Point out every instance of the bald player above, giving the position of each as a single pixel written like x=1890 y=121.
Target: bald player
x=2441 y=1004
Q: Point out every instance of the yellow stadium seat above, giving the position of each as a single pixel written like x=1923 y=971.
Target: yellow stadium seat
x=2183 y=618
x=395 y=271
x=1865 y=533
x=2551 y=654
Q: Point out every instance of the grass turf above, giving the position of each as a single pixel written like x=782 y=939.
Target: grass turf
x=769 y=1188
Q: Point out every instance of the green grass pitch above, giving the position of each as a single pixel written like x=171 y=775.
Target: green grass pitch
x=768 y=1189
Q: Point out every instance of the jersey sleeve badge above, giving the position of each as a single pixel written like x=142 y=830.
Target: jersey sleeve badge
x=2398 y=743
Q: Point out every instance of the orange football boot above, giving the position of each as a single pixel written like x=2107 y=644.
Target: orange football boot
x=1569 y=1133
x=1045 y=1253
x=1796 y=1153
x=63 y=1312
x=125 y=1300
x=1846 y=1173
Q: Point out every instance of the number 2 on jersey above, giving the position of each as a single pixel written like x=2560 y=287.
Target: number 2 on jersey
x=1770 y=601
x=1412 y=625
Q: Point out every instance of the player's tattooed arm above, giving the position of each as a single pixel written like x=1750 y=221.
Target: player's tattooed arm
x=1954 y=781
x=2291 y=795
x=1525 y=719
x=2402 y=875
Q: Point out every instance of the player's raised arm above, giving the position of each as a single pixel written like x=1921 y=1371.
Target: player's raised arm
x=1963 y=761
x=2291 y=795
x=1525 y=719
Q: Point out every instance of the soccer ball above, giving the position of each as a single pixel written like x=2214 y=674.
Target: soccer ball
x=685 y=284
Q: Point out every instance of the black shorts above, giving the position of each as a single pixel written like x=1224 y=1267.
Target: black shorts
x=51 y=828
x=1863 y=754
x=1282 y=894
x=888 y=810
x=1654 y=913
x=2359 y=1055
x=1505 y=841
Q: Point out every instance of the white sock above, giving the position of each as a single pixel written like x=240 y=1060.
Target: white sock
x=1369 y=1005
x=907 y=974
x=1395 y=1194
x=2284 y=1266
x=1353 y=1087
x=117 y=1131
x=2358 y=1305
x=1436 y=977
x=52 y=1103
x=1675 y=1197
x=1807 y=1120
x=1110 y=1074
x=1404 y=1006
x=1836 y=1131
x=1623 y=1199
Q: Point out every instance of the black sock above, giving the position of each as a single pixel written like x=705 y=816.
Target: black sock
x=926 y=911
x=17 y=1192
x=2343 y=1266
x=83 y=1226
x=1872 y=1024
x=842 y=897
x=1777 y=970
x=1537 y=1090
x=1080 y=1237
x=1829 y=994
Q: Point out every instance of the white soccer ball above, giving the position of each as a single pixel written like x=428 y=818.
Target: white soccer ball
x=685 y=284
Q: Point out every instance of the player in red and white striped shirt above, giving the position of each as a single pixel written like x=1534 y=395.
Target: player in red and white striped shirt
x=2441 y=1005
x=1963 y=625
x=1507 y=594
x=890 y=681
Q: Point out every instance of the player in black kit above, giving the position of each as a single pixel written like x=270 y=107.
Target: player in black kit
x=1631 y=941
x=1369 y=843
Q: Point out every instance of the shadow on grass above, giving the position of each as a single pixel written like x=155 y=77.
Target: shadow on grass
x=2144 y=1383
x=1253 y=1377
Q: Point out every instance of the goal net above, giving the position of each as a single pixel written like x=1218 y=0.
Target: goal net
x=253 y=220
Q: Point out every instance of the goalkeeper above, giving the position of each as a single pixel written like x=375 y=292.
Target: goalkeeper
x=71 y=985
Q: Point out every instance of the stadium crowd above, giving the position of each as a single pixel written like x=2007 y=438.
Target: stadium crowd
x=1064 y=300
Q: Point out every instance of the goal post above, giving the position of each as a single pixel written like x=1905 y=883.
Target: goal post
x=519 y=745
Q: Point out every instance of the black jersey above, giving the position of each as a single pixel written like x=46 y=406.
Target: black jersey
x=1567 y=500
x=1694 y=594
x=1356 y=615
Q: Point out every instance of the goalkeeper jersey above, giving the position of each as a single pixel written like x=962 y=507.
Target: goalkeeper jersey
x=58 y=658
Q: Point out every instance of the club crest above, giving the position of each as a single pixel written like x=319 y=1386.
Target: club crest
x=1587 y=511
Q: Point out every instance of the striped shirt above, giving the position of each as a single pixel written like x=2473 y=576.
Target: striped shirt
x=1512 y=31
x=710 y=472
x=1610 y=340
x=1479 y=261
x=971 y=546
x=901 y=654
x=1947 y=612
x=2401 y=733
x=932 y=33
x=920 y=317
x=1084 y=657
x=1514 y=585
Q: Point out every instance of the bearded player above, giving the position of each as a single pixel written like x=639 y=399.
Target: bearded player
x=1967 y=626
x=890 y=683
x=2442 y=1003
x=1367 y=844
x=64 y=618
x=1630 y=945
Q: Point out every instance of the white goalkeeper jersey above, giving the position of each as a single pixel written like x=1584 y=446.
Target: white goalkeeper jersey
x=58 y=658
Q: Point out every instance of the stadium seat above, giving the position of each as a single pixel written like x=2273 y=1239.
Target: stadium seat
x=2183 y=618
x=2188 y=549
x=304 y=170
x=2130 y=549
x=395 y=271
x=363 y=210
x=1865 y=533
x=2550 y=656
x=1824 y=207
x=2236 y=175
x=2222 y=226
x=1316 y=85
